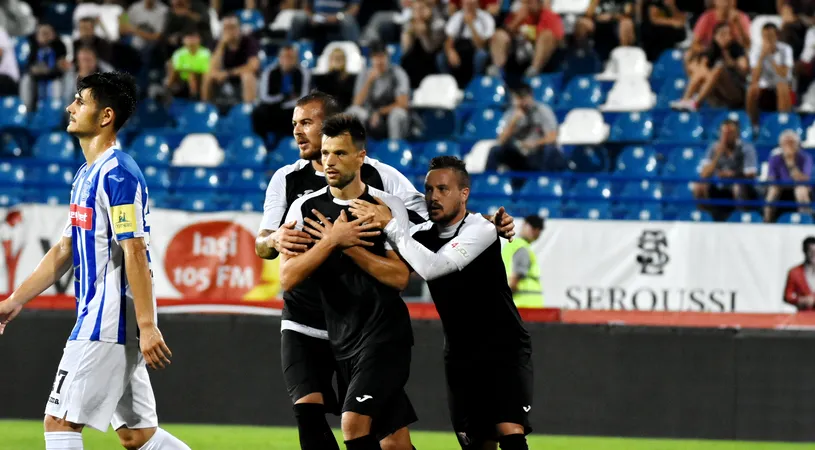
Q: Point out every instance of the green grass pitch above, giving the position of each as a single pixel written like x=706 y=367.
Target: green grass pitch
x=27 y=435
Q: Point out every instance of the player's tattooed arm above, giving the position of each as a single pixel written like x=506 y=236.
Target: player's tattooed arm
x=504 y=223
x=52 y=267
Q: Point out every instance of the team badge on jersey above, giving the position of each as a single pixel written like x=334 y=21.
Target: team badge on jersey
x=124 y=218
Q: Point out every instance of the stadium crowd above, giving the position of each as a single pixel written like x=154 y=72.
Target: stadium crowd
x=667 y=66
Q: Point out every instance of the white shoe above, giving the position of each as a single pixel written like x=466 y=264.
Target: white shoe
x=684 y=105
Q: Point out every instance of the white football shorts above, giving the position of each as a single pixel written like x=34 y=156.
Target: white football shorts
x=100 y=383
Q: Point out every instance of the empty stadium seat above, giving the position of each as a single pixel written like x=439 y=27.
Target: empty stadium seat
x=632 y=127
x=681 y=128
x=630 y=94
x=251 y=20
x=646 y=213
x=22 y=48
x=745 y=126
x=197 y=178
x=626 y=62
x=593 y=212
x=637 y=161
x=11 y=174
x=476 y=159
x=774 y=124
x=150 y=148
x=60 y=16
x=484 y=124
x=286 y=152
x=745 y=217
x=9 y=147
x=578 y=7
x=52 y=174
x=12 y=113
x=491 y=186
x=590 y=192
x=796 y=218
x=395 y=153
x=683 y=162
x=238 y=120
x=354 y=62
x=670 y=65
x=49 y=116
x=543 y=187
x=247 y=150
x=202 y=202
x=583 y=126
x=436 y=91
x=10 y=197
x=434 y=149
x=198 y=117
x=55 y=146
x=249 y=203
x=198 y=150
x=670 y=91
x=545 y=86
x=55 y=197
x=283 y=19
x=487 y=91
x=252 y=179
x=437 y=123
x=694 y=215
x=589 y=159
x=157 y=177
x=641 y=191
x=581 y=92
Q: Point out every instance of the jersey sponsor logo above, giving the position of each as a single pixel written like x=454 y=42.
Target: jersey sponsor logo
x=81 y=216
x=454 y=244
x=527 y=408
x=124 y=218
x=86 y=192
x=461 y=250
x=364 y=398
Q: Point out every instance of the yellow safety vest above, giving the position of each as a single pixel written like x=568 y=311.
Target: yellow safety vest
x=529 y=293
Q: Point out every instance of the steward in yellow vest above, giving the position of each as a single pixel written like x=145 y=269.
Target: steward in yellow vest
x=523 y=273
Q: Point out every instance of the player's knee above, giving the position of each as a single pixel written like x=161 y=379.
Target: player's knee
x=506 y=428
x=400 y=440
x=53 y=424
x=355 y=425
x=134 y=439
x=314 y=397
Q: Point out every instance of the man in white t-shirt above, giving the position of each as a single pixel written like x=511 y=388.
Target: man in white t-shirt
x=771 y=77
x=466 y=49
x=9 y=71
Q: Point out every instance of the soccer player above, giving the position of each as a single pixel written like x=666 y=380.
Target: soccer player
x=487 y=349
x=102 y=378
x=358 y=278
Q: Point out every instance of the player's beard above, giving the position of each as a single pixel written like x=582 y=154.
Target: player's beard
x=448 y=216
x=343 y=180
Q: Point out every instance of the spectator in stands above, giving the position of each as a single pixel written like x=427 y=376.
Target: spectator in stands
x=789 y=164
x=144 y=22
x=384 y=25
x=234 y=62
x=16 y=20
x=382 y=96
x=86 y=63
x=324 y=18
x=422 y=39
x=611 y=22
x=729 y=158
x=188 y=66
x=9 y=72
x=796 y=17
x=528 y=141
x=663 y=26
x=88 y=38
x=337 y=82
x=468 y=32
x=771 y=78
x=720 y=76
x=799 y=290
x=183 y=15
x=230 y=7
x=493 y=7
x=46 y=66
x=528 y=39
x=723 y=11
x=281 y=84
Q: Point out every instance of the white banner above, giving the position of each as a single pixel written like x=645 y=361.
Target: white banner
x=673 y=266
x=668 y=266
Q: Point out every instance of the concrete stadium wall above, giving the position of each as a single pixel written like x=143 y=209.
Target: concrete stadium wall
x=590 y=380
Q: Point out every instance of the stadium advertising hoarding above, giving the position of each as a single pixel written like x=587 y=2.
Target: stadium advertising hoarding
x=662 y=266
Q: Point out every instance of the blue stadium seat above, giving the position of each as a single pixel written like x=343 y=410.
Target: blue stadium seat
x=150 y=114
x=683 y=162
x=745 y=127
x=197 y=178
x=52 y=174
x=775 y=123
x=286 y=152
x=198 y=117
x=156 y=177
x=581 y=92
x=54 y=196
x=437 y=123
x=670 y=64
x=644 y=191
x=745 y=217
x=22 y=48
x=589 y=159
x=646 y=213
x=486 y=91
x=545 y=87
x=395 y=52
x=247 y=203
x=394 y=153
x=49 y=116
x=60 y=16
x=150 y=148
x=633 y=127
x=10 y=197
x=247 y=150
x=202 y=202
x=11 y=174
x=486 y=206
x=55 y=146
x=548 y=209
x=434 y=149
x=543 y=187
x=9 y=147
x=251 y=20
x=483 y=124
x=796 y=218
x=12 y=113
x=305 y=49
x=163 y=199
x=693 y=215
x=254 y=179
x=637 y=161
x=593 y=212
x=681 y=128
x=590 y=192
x=670 y=91
x=491 y=186
x=580 y=61
x=238 y=120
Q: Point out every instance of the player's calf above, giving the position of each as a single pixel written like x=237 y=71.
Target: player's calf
x=399 y=440
x=356 y=431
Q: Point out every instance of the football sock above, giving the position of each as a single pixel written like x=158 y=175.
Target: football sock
x=63 y=440
x=513 y=442
x=315 y=434
x=368 y=442
x=163 y=440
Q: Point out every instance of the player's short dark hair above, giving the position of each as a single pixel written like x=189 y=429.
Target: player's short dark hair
x=455 y=164
x=331 y=106
x=115 y=90
x=535 y=222
x=810 y=240
x=340 y=124
x=522 y=90
x=770 y=26
x=191 y=30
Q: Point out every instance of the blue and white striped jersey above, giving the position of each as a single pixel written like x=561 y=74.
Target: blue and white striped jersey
x=108 y=205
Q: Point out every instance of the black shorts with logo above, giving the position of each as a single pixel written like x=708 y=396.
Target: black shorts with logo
x=483 y=393
x=374 y=381
x=308 y=367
